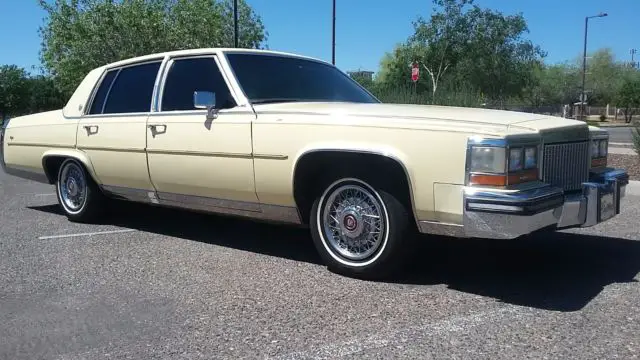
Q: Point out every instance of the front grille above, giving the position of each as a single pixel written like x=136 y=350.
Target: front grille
x=566 y=165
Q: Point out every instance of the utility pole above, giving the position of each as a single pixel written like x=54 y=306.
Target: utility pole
x=235 y=23
x=333 y=35
x=633 y=52
x=583 y=96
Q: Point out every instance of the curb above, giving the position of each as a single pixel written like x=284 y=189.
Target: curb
x=633 y=188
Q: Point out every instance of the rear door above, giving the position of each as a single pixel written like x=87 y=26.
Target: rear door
x=113 y=133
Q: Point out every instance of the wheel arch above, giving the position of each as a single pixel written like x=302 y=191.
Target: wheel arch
x=388 y=154
x=52 y=159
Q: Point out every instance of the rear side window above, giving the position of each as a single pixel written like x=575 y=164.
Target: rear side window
x=132 y=89
x=195 y=74
x=101 y=94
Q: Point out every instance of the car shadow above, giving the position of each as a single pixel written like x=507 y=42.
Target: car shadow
x=559 y=271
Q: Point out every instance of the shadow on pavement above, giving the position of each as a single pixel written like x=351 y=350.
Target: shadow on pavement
x=557 y=271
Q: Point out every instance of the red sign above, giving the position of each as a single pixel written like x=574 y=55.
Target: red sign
x=415 y=72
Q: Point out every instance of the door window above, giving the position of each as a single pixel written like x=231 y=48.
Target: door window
x=101 y=94
x=132 y=89
x=195 y=74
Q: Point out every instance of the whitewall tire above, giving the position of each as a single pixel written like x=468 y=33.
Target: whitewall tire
x=357 y=229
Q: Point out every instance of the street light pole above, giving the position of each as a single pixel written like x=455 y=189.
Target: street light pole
x=583 y=97
x=235 y=23
x=333 y=35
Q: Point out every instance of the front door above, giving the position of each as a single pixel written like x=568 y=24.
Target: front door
x=197 y=161
x=113 y=133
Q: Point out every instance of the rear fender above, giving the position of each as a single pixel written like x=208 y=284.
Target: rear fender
x=68 y=153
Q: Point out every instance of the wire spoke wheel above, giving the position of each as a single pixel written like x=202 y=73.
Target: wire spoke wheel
x=353 y=221
x=72 y=187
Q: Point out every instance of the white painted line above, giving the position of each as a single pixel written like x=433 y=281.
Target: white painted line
x=32 y=194
x=381 y=340
x=86 y=234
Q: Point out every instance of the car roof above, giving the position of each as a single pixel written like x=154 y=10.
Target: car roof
x=203 y=51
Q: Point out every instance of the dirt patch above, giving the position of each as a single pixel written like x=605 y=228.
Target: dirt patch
x=631 y=163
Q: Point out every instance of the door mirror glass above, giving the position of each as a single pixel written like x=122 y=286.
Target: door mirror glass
x=204 y=99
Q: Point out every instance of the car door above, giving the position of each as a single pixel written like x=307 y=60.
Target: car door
x=193 y=159
x=113 y=133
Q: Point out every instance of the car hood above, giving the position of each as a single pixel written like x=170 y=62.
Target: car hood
x=421 y=116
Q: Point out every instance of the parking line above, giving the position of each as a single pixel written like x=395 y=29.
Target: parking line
x=86 y=234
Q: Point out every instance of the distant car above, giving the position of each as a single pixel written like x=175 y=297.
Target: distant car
x=287 y=138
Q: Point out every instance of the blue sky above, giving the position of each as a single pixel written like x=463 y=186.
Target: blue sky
x=366 y=29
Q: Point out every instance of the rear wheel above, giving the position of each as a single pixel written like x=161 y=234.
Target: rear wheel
x=359 y=230
x=78 y=195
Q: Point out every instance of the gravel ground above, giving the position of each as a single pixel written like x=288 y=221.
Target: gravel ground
x=629 y=162
x=153 y=283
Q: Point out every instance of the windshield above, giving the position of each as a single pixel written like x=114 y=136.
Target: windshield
x=269 y=78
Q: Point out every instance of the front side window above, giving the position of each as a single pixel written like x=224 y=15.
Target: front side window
x=194 y=74
x=272 y=78
x=132 y=89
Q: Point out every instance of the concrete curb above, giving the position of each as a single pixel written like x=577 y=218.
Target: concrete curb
x=633 y=188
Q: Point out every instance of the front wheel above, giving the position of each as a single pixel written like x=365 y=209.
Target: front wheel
x=358 y=230
x=78 y=195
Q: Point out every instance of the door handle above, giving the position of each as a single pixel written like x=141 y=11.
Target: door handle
x=158 y=129
x=91 y=129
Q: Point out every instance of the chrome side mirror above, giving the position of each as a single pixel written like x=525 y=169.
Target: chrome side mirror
x=204 y=99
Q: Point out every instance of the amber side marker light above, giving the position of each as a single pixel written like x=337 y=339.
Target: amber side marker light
x=504 y=180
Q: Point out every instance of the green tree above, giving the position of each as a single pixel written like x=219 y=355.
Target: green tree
x=628 y=98
x=79 y=35
x=464 y=47
x=14 y=91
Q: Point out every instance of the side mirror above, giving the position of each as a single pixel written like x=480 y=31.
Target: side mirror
x=204 y=99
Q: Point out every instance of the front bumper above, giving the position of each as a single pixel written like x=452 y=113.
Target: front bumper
x=508 y=215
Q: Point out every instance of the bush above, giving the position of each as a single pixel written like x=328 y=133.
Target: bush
x=603 y=117
x=635 y=134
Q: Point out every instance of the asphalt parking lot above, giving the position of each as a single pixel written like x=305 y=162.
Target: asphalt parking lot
x=159 y=283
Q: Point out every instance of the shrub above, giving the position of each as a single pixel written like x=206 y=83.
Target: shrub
x=635 y=134
x=603 y=117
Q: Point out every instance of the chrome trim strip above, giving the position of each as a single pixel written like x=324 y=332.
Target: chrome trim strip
x=114 y=115
x=199 y=153
x=126 y=193
x=387 y=155
x=232 y=111
x=108 y=148
x=440 y=228
x=270 y=156
x=202 y=201
x=255 y=211
x=53 y=146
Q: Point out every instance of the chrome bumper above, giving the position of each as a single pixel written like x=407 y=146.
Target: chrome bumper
x=508 y=215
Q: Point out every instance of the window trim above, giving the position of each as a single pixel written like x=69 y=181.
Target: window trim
x=165 y=74
x=107 y=69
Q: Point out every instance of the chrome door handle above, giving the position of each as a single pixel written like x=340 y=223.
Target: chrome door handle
x=91 y=129
x=158 y=129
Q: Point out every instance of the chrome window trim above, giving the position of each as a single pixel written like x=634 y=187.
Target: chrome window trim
x=165 y=74
x=85 y=113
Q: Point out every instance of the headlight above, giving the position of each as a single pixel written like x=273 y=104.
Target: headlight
x=603 y=148
x=515 y=159
x=595 y=150
x=491 y=165
x=530 y=157
x=488 y=160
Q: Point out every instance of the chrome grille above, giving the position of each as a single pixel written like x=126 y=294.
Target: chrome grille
x=566 y=165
